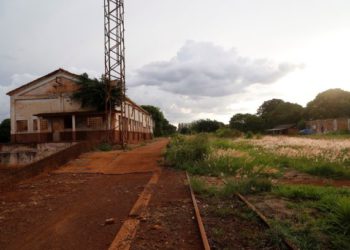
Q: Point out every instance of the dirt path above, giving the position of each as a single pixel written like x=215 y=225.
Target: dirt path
x=67 y=209
x=294 y=177
x=170 y=220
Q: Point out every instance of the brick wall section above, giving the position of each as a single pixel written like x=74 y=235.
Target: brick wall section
x=133 y=137
x=9 y=176
x=329 y=125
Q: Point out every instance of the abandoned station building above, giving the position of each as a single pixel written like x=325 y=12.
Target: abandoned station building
x=43 y=111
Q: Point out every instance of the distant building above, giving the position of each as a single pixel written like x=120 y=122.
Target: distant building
x=43 y=111
x=329 y=125
x=285 y=129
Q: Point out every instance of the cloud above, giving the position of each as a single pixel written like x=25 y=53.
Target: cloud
x=202 y=69
x=16 y=81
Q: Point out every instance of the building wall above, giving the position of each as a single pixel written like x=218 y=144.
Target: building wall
x=329 y=125
x=53 y=95
x=48 y=96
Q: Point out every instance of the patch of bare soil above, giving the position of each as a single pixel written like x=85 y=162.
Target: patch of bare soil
x=139 y=160
x=272 y=207
x=230 y=224
x=294 y=177
x=67 y=211
x=170 y=221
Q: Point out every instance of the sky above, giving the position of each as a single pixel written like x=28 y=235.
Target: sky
x=192 y=58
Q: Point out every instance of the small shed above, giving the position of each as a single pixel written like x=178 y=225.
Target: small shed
x=285 y=129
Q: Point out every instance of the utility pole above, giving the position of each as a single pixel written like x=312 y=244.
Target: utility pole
x=115 y=61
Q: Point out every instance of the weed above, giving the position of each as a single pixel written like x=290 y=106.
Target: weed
x=249 y=135
x=339 y=223
x=247 y=186
x=223 y=212
x=306 y=192
x=201 y=188
x=198 y=186
x=105 y=147
x=258 y=136
x=187 y=150
x=228 y=133
x=218 y=232
x=222 y=144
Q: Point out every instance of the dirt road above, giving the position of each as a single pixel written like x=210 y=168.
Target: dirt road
x=67 y=209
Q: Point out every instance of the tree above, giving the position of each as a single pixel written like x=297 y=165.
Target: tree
x=184 y=128
x=5 y=131
x=168 y=129
x=206 y=126
x=333 y=103
x=275 y=112
x=93 y=93
x=247 y=122
x=162 y=125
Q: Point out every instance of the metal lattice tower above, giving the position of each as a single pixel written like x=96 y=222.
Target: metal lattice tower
x=115 y=58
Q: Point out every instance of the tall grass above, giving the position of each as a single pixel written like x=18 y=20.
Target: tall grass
x=246 y=186
x=333 y=204
x=318 y=166
x=194 y=154
x=183 y=151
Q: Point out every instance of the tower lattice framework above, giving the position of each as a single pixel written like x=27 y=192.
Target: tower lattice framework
x=115 y=59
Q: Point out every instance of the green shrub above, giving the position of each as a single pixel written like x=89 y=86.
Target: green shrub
x=198 y=186
x=247 y=186
x=182 y=151
x=328 y=170
x=258 y=136
x=340 y=218
x=222 y=144
x=307 y=192
x=105 y=147
x=249 y=135
x=228 y=133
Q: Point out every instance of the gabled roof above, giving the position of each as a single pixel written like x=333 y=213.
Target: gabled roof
x=12 y=92
x=135 y=104
x=282 y=127
x=60 y=70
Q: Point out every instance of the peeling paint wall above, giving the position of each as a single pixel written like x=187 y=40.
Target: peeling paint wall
x=53 y=95
x=20 y=155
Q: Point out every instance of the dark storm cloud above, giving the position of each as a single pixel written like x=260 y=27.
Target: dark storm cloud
x=203 y=69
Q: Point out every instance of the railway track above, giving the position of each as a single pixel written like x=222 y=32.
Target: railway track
x=131 y=227
x=289 y=245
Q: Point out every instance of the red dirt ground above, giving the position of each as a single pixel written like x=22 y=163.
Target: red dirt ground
x=295 y=177
x=170 y=222
x=67 y=209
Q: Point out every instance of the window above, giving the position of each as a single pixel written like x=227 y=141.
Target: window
x=35 y=125
x=44 y=125
x=22 y=125
x=95 y=122
x=68 y=124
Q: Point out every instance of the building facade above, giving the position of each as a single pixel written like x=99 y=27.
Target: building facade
x=329 y=125
x=43 y=111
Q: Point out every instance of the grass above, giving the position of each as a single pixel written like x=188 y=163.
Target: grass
x=321 y=215
x=105 y=147
x=246 y=186
x=306 y=192
x=331 y=221
x=317 y=167
x=228 y=133
x=331 y=135
x=182 y=150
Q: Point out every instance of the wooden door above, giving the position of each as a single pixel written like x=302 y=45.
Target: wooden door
x=57 y=128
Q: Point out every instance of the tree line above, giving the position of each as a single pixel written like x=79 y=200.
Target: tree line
x=333 y=103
